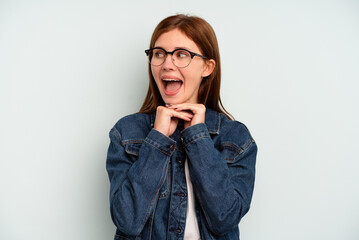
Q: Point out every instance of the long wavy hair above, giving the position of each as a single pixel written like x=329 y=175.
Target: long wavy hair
x=199 y=31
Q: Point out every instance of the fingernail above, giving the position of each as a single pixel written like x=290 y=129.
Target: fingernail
x=168 y=104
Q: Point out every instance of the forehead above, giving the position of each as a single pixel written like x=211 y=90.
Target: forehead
x=175 y=39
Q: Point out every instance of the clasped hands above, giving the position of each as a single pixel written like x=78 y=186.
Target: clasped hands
x=167 y=117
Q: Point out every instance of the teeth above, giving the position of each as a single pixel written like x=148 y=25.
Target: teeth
x=172 y=80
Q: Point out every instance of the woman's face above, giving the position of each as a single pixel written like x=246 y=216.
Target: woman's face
x=180 y=85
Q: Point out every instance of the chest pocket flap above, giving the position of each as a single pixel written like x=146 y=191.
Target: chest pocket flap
x=132 y=148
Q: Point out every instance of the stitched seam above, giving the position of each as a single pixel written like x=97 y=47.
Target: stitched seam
x=233 y=148
x=132 y=141
x=167 y=182
x=158 y=148
x=230 y=145
x=133 y=148
x=248 y=144
x=237 y=148
x=117 y=135
x=151 y=224
x=164 y=194
x=196 y=140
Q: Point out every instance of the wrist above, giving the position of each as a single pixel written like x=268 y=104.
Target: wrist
x=194 y=132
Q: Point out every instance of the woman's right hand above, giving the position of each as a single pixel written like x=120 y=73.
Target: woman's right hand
x=167 y=119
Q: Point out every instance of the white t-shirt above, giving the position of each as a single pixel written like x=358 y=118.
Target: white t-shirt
x=191 y=231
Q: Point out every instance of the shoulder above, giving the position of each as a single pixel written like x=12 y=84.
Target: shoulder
x=238 y=127
x=133 y=126
x=233 y=131
x=134 y=120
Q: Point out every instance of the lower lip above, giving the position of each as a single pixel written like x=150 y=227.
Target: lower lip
x=170 y=93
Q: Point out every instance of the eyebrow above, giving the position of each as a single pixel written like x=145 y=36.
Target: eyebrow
x=175 y=48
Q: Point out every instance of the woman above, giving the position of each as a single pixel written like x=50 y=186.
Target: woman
x=181 y=168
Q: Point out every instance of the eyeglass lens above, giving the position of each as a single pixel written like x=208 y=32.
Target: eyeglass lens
x=180 y=57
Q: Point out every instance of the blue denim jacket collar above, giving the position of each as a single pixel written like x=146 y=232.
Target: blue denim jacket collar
x=212 y=120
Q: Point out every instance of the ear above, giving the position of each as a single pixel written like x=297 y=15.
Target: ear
x=208 y=67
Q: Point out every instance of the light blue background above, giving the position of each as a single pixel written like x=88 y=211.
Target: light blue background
x=70 y=69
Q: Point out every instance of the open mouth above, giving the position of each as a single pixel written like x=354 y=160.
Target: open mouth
x=171 y=86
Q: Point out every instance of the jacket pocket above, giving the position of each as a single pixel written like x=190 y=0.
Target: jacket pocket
x=132 y=148
x=230 y=151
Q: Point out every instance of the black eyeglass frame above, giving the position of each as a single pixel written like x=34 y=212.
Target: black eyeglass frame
x=191 y=53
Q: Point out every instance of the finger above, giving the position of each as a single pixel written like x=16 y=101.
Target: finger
x=183 y=115
x=195 y=108
x=184 y=105
x=174 y=113
x=186 y=112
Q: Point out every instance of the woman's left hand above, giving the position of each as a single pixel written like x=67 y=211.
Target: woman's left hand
x=198 y=110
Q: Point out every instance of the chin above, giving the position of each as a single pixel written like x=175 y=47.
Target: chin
x=172 y=101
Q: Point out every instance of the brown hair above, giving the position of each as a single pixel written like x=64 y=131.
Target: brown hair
x=199 y=31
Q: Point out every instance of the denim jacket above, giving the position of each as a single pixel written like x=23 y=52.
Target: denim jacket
x=148 y=192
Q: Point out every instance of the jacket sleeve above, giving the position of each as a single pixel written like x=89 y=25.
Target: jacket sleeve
x=223 y=178
x=134 y=185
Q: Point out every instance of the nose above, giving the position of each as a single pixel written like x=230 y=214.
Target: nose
x=168 y=63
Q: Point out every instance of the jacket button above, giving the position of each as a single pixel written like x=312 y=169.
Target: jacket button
x=172 y=147
x=178 y=230
x=180 y=194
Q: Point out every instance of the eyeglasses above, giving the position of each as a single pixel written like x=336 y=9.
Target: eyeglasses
x=180 y=57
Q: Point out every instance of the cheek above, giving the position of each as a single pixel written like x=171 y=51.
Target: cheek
x=155 y=73
x=197 y=69
x=194 y=77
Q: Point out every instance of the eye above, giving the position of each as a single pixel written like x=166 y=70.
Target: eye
x=158 y=53
x=182 y=54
